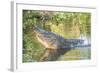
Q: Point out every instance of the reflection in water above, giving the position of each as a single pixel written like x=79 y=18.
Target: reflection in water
x=85 y=49
x=80 y=52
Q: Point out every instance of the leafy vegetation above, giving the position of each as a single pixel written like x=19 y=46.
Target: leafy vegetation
x=66 y=24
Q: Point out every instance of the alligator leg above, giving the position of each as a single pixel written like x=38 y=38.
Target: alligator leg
x=52 y=54
x=45 y=55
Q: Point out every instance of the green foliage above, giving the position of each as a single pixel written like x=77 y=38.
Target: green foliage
x=66 y=24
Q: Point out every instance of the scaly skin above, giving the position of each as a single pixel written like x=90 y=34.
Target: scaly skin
x=55 y=45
